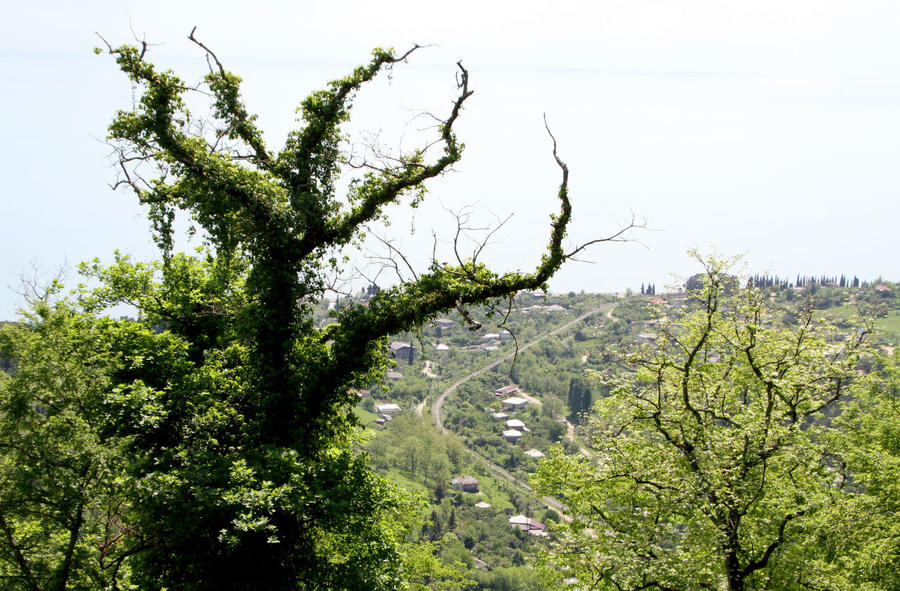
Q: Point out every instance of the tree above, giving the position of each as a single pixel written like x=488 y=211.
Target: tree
x=861 y=534
x=248 y=474
x=63 y=507
x=714 y=461
x=579 y=398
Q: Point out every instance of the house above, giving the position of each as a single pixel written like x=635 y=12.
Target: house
x=444 y=323
x=534 y=453
x=500 y=416
x=402 y=351
x=387 y=409
x=555 y=308
x=491 y=336
x=514 y=403
x=512 y=435
x=515 y=424
x=505 y=335
x=506 y=390
x=482 y=505
x=527 y=524
x=465 y=484
x=360 y=393
x=392 y=374
x=646 y=337
x=441 y=347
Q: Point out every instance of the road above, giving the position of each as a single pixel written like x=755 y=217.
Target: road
x=436 y=407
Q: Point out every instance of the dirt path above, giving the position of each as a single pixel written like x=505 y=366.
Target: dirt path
x=436 y=408
x=420 y=407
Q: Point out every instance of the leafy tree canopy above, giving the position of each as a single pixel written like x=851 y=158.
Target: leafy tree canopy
x=718 y=466
x=223 y=413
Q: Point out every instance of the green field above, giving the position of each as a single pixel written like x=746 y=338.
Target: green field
x=888 y=326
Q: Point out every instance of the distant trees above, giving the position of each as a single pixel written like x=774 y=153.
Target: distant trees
x=716 y=468
x=580 y=398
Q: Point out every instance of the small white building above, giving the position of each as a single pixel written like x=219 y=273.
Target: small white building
x=444 y=323
x=534 y=453
x=512 y=435
x=500 y=416
x=526 y=524
x=514 y=403
x=515 y=424
x=387 y=409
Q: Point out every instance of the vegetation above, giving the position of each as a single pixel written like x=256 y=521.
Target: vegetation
x=221 y=420
x=718 y=466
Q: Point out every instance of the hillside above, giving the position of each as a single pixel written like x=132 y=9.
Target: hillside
x=501 y=399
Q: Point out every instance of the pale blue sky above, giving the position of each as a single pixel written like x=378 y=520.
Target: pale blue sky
x=766 y=127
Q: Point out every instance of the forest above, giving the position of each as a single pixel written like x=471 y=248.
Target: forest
x=460 y=429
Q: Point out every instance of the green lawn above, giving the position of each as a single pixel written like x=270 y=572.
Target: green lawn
x=888 y=326
x=365 y=417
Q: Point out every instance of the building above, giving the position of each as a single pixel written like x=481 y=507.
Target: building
x=444 y=323
x=465 y=483
x=512 y=435
x=515 y=424
x=514 y=403
x=402 y=351
x=387 y=409
x=527 y=524
x=506 y=390
x=534 y=453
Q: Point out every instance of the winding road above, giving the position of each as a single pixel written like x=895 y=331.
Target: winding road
x=436 y=407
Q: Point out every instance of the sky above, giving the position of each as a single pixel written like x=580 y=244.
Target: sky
x=768 y=128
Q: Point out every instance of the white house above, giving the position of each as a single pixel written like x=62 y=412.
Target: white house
x=515 y=424
x=514 y=403
x=528 y=524
x=512 y=435
x=444 y=323
x=387 y=409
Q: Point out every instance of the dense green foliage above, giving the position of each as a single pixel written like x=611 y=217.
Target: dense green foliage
x=718 y=466
x=220 y=424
